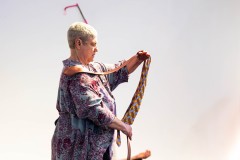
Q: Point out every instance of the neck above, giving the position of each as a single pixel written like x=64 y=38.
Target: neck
x=75 y=56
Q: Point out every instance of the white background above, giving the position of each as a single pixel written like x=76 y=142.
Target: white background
x=191 y=107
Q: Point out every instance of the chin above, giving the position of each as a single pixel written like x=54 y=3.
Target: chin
x=90 y=60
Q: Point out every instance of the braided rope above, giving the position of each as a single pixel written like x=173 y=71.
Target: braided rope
x=134 y=106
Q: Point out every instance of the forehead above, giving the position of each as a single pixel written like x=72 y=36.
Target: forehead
x=92 y=40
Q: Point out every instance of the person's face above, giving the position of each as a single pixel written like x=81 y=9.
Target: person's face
x=89 y=49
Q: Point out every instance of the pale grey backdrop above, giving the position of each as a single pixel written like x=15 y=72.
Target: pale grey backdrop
x=191 y=107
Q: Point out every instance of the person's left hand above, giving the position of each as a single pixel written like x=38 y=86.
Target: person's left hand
x=143 y=55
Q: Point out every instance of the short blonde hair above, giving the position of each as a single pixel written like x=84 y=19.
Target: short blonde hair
x=80 y=30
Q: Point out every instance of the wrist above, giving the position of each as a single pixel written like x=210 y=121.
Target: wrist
x=124 y=128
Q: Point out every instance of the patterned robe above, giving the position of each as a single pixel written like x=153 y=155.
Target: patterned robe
x=86 y=107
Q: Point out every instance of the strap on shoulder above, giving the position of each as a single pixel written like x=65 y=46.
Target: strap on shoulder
x=70 y=71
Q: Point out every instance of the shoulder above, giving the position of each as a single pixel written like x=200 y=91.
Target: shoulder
x=68 y=63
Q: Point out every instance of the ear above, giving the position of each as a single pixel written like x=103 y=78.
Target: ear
x=78 y=42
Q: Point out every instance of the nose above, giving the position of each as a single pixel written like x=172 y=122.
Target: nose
x=96 y=49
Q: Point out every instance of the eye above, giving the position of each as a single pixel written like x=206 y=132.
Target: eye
x=94 y=44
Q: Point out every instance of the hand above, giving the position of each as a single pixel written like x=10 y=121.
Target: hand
x=128 y=131
x=143 y=55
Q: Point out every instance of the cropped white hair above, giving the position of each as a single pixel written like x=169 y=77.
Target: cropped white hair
x=80 y=30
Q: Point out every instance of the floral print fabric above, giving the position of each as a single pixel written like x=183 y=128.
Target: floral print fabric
x=86 y=107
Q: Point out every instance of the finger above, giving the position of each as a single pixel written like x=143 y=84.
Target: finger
x=130 y=137
x=140 y=51
x=145 y=52
x=148 y=55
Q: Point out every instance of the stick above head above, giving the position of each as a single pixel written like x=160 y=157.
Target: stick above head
x=76 y=5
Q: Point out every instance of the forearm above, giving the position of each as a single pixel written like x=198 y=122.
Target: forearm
x=133 y=64
x=118 y=124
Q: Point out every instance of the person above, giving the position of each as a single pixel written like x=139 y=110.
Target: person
x=141 y=156
x=87 y=110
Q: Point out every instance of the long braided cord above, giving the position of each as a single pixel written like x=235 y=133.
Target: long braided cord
x=135 y=104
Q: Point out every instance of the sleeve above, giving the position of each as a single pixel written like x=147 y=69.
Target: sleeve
x=88 y=101
x=118 y=77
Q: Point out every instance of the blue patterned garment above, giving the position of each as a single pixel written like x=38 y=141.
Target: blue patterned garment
x=86 y=107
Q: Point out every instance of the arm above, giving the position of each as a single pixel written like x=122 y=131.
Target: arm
x=115 y=78
x=136 y=60
x=88 y=101
x=119 y=125
x=140 y=156
x=89 y=105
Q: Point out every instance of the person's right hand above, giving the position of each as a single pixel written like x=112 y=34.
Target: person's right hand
x=128 y=131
